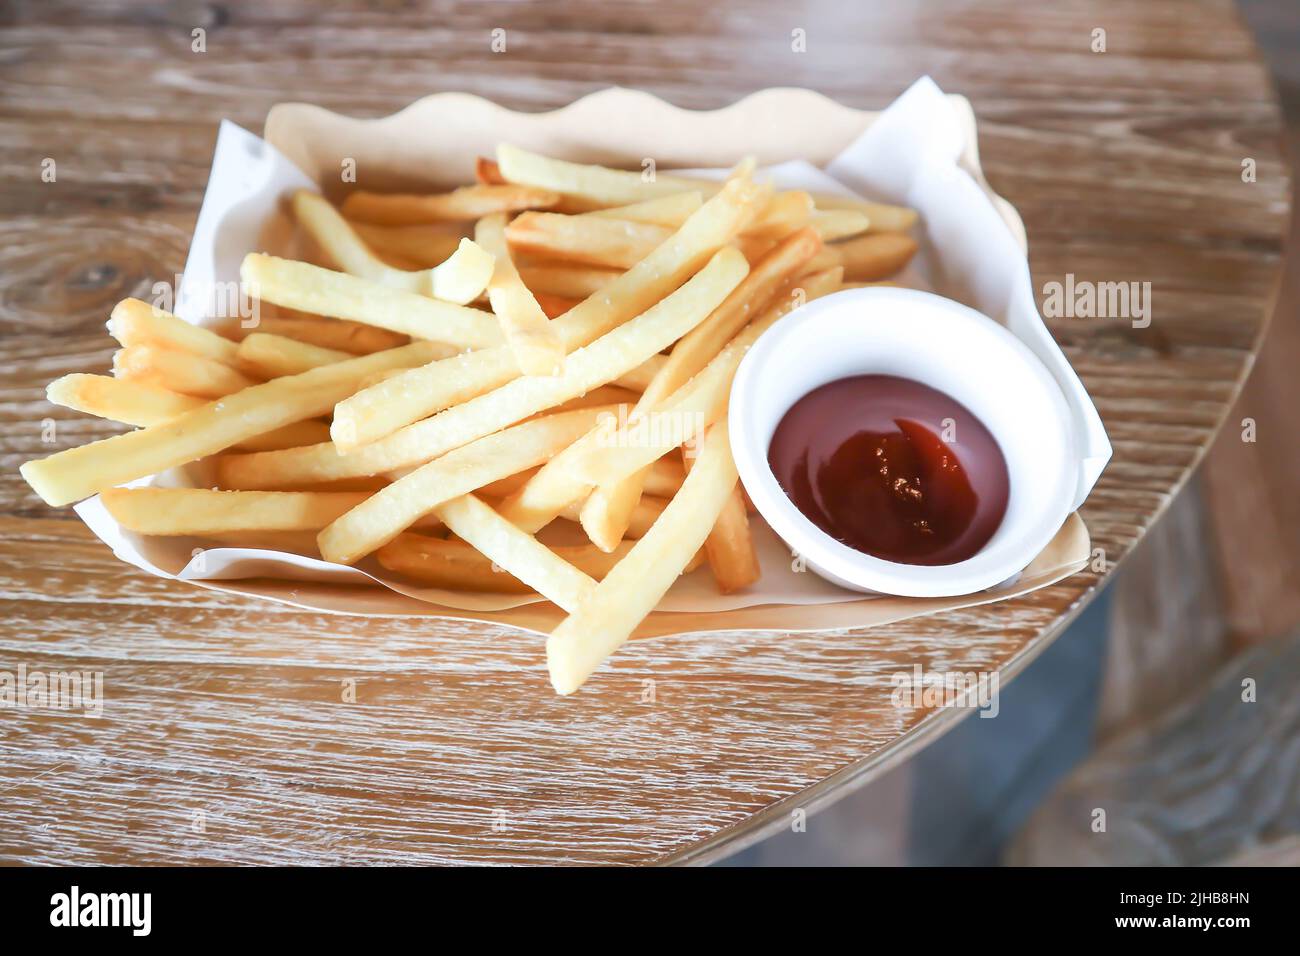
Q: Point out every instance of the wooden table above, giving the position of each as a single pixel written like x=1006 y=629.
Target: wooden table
x=226 y=736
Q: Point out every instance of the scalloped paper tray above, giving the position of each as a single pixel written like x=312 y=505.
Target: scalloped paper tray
x=920 y=152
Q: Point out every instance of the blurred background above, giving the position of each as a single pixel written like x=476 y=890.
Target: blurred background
x=1136 y=708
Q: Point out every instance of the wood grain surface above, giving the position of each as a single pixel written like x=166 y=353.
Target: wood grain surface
x=227 y=735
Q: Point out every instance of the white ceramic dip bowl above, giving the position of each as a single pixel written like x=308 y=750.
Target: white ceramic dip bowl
x=939 y=343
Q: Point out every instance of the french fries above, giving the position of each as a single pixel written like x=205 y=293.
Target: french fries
x=457 y=565
x=308 y=288
x=610 y=356
x=662 y=480
x=612 y=243
x=570 y=282
x=468 y=202
x=668 y=211
x=271 y=356
x=691 y=408
x=338 y=334
x=181 y=372
x=553 y=306
x=881 y=216
x=424 y=246
x=199 y=511
x=877 y=255
x=832 y=224
x=77 y=473
x=520 y=554
x=594 y=185
x=384 y=409
x=137 y=323
x=732 y=557
x=606 y=618
x=460 y=279
x=536 y=345
x=565 y=363
x=390 y=511
x=610 y=453
x=138 y=403
x=487 y=172
x=784 y=214
x=600 y=239
x=606 y=512
x=119 y=399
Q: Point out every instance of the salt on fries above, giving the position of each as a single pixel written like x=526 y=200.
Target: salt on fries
x=483 y=363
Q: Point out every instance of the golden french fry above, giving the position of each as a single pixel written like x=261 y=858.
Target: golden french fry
x=595 y=184
x=785 y=213
x=138 y=323
x=646 y=514
x=461 y=279
x=396 y=507
x=295 y=435
x=504 y=486
x=520 y=554
x=468 y=202
x=383 y=409
x=613 y=243
x=869 y=285
x=339 y=334
x=271 y=356
x=877 y=255
x=882 y=216
x=663 y=480
x=77 y=473
x=670 y=211
x=487 y=172
x=536 y=345
x=181 y=372
x=201 y=511
x=732 y=557
x=296 y=542
x=665 y=477
x=454 y=564
x=308 y=288
x=610 y=356
x=424 y=246
x=378 y=377
x=571 y=282
x=639 y=379
x=832 y=224
x=138 y=403
x=119 y=399
x=553 y=306
x=606 y=617
x=604 y=395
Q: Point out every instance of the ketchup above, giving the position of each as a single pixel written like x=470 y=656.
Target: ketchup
x=866 y=460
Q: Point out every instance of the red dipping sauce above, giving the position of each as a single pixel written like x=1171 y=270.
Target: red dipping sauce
x=892 y=468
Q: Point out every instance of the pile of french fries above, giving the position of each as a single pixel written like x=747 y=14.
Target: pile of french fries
x=441 y=377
